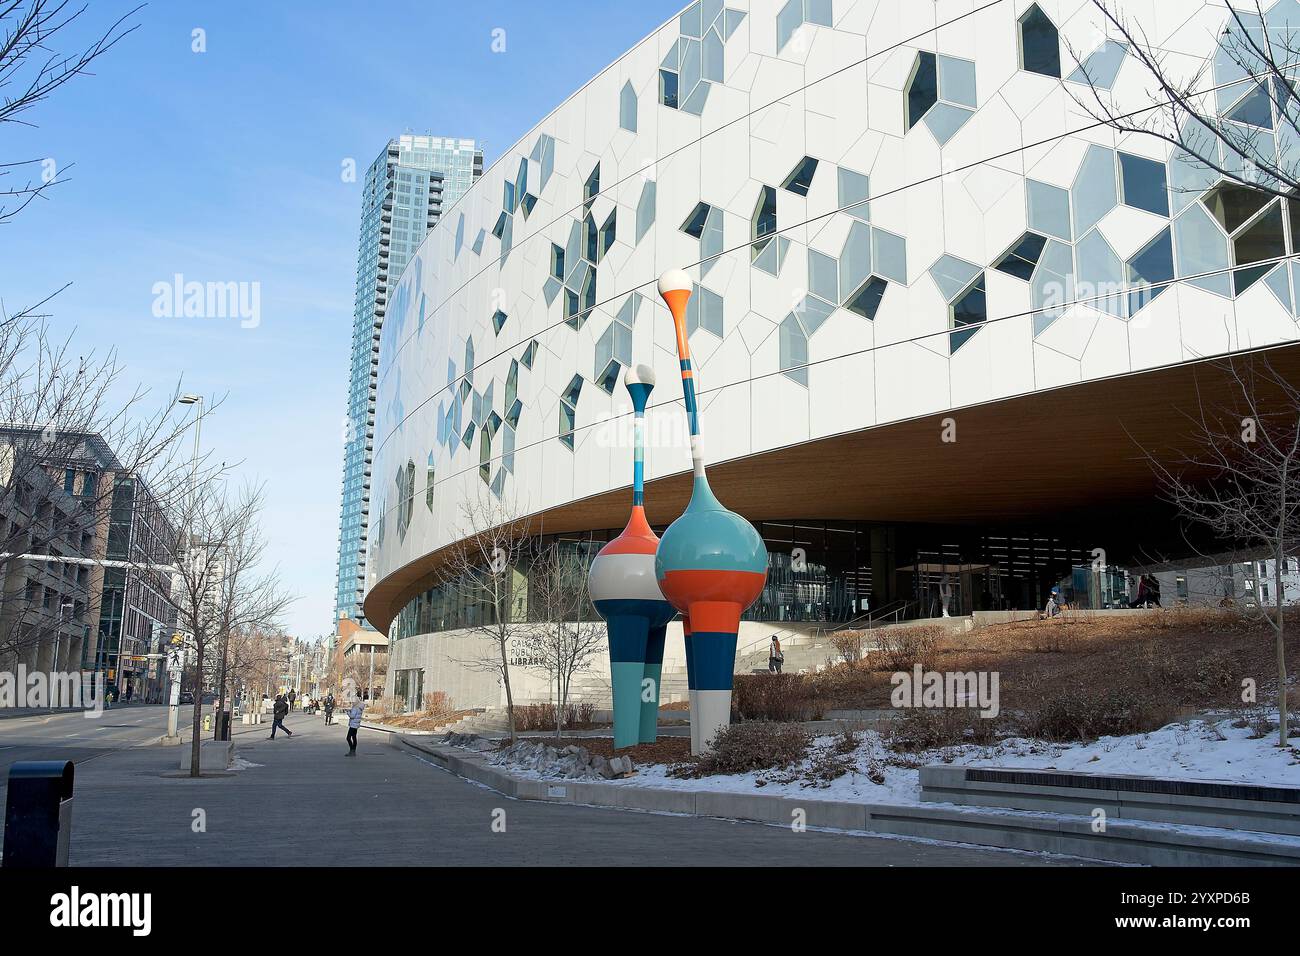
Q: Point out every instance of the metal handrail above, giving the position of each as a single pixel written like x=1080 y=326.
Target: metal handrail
x=762 y=640
x=873 y=618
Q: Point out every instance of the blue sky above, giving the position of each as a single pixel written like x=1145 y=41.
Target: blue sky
x=225 y=166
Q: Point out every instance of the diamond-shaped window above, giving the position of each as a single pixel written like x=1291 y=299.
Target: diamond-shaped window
x=800 y=178
x=1232 y=204
x=922 y=90
x=1020 y=259
x=866 y=301
x=968 y=312
x=574 y=390
x=763 y=222
x=693 y=225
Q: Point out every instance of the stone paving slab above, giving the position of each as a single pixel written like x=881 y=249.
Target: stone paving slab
x=306 y=802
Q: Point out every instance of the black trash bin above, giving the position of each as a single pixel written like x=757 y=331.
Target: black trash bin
x=223 y=725
x=38 y=813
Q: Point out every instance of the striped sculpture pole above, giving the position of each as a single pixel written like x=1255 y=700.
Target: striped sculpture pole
x=626 y=594
x=711 y=565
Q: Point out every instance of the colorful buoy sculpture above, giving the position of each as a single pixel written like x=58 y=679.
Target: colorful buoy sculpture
x=626 y=594
x=711 y=564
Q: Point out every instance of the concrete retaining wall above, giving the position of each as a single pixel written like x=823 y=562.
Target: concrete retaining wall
x=1122 y=841
x=1235 y=807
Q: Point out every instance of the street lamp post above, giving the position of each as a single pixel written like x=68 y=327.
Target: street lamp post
x=58 y=636
x=175 y=659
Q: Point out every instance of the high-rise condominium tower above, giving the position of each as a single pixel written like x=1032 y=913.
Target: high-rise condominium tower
x=406 y=188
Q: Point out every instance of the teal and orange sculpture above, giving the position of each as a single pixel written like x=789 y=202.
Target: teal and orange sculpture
x=711 y=564
x=624 y=590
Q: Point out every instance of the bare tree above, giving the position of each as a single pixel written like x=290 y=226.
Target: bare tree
x=220 y=588
x=483 y=571
x=1203 y=108
x=563 y=636
x=31 y=69
x=1241 y=479
x=68 y=439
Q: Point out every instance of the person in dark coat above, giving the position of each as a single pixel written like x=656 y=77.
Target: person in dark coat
x=278 y=714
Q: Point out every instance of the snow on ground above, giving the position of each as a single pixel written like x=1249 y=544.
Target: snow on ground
x=1211 y=749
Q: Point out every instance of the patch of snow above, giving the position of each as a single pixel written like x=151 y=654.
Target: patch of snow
x=1208 y=750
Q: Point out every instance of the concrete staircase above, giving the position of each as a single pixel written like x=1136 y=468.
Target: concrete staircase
x=805 y=648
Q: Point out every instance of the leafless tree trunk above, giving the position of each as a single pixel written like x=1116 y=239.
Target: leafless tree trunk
x=1241 y=480
x=484 y=571
x=563 y=635
x=220 y=587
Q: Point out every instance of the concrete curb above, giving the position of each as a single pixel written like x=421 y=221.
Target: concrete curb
x=1036 y=832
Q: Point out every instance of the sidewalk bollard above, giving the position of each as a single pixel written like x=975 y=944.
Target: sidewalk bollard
x=38 y=814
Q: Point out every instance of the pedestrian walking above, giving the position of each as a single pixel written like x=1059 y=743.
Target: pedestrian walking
x=280 y=711
x=354 y=724
x=775 y=656
x=329 y=710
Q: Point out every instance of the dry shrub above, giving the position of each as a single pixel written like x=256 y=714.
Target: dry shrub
x=577 y=716
x=743 y=748
x=848 y=644
x=902 y=647
x=1088 y=712
x=437 y=702
x=1052 y=638
x=781 y=697
x=389 y=706
x=922 y=728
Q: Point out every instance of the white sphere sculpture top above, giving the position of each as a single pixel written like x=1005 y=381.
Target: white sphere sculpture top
x=674 y=280
x=639 y=375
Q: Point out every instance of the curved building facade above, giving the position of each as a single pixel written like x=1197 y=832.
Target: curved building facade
x=936 y=301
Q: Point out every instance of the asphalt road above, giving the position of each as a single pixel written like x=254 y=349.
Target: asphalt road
x=78 y=737
x=302 y=800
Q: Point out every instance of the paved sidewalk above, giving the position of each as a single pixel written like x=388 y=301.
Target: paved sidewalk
x=307 y=802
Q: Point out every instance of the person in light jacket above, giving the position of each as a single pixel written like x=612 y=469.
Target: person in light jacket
x=354 y=724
